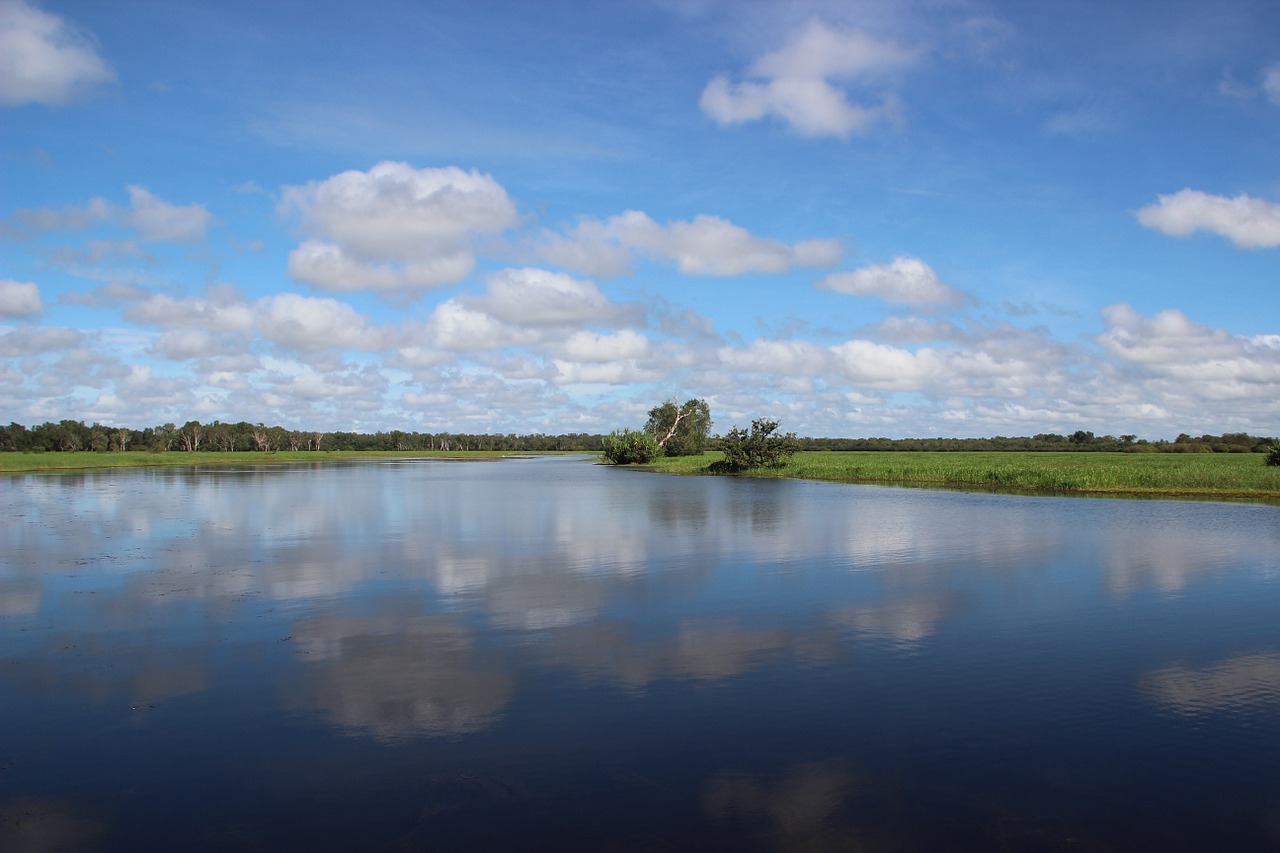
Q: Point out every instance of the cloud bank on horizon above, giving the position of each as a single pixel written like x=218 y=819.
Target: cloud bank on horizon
x=881 y=218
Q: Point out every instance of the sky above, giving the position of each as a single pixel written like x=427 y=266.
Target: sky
x=906 y=218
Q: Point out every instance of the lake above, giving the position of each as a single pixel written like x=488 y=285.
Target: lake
x=552 y=654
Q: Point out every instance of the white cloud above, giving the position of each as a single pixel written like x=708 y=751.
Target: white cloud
x=458 y=328
x=27 y=341
x=785 y=358
x=1271 y=84
x=602 y=373
x=302 y=383
x=1196 y=359
x=1249 y=223
x=19 y=298
x=182 y=344
x=394 y=227
x=538 y=298
x=906 y=281
x=705 y=245
x=584 y=346
x=905 y=329
x=159 y=221
x=329 y=267
x=310 y=323
x=418 y=358
x=292 y=321
x=155 y=220
x=43 y=59
x=220 y=312
x=882 y=366
x=795 y=83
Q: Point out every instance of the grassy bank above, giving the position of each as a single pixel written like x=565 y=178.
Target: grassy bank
x=23 y=462
x=1206 y=475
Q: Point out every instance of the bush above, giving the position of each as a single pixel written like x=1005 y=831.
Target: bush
x=630 y=446
x=762 y=447
x=1273 y=454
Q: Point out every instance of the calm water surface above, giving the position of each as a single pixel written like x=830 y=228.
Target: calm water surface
x=551 y=654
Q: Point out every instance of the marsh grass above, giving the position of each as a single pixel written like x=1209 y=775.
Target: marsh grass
x=1221 y=475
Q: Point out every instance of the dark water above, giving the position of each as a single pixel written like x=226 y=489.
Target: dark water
x=550 y=654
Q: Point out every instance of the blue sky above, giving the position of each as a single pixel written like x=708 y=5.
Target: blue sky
x=873 y=218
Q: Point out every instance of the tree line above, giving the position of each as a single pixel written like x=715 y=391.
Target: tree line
x=679 y=430
x=70 y=436
x=1081 y=441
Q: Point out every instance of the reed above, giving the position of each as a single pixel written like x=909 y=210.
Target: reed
x=1216 y=475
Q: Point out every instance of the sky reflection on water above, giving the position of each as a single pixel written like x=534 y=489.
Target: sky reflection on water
x=545 y=650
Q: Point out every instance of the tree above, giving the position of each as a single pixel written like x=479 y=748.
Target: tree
x=631 y=446
x=680 y=430
x=191 y=434
x=1273 y=453
x=762 y=447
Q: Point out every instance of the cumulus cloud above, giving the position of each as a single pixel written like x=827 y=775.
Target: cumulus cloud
x=1006 y=364
x=158 y=221
x=906 y=281
x=705 y=245
x=1249 y=223
x=538 y=298
x=155 y=220
x=310 y=323
x=785 y=358
x=19 y=299
x=584 y=346
x=394 y=227
x=28 y=341
x=44 y=59
x=796 y=84
x=220 y=311
x=304 y=323
x=1171 y=346
x=906 y=329
x=603 y=373
x=457 y=328
x=182 y=344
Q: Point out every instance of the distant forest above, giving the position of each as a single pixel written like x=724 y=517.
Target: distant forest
x=68 y=436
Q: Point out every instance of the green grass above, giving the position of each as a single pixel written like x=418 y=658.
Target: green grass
x=24 y=462
x=1198 y=475
x=1203 y=475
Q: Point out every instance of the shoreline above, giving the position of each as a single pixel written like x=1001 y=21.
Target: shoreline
x=1232 y=478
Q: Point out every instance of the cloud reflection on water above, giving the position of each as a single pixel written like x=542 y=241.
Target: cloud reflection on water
x=623 y=578
x=1239 y=683
x=398 y=676
x=806 y=809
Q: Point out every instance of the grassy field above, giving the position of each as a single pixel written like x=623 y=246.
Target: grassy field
x=1203 y=475
x=1199 y=475
x=22 y=462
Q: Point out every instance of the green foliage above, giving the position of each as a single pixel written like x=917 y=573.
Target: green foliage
x=680 y=430
x=630 y=446
x=1273 y=453
x=762 y=447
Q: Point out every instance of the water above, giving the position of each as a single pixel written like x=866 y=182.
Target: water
x=551 y=654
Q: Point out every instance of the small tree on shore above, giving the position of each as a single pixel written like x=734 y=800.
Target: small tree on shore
x=680 y=430
x=762 y=447
x=1273 y=453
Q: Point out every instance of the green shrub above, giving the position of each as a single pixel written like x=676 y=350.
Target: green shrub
x=762 y=447
x=1273 y=454
x=630 y=446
